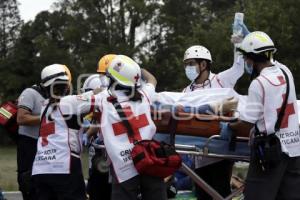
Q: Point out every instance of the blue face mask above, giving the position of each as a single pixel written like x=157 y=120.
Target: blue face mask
x=248 y=68
x=191 y=72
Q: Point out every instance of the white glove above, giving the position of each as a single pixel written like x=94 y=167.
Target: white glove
x=228 y=105
x=225 y=106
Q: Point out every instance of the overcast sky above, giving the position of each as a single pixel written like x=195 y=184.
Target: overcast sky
x=30 y=8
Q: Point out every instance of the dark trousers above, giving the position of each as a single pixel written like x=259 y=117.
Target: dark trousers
x=150 y=188
x=98 y=186
x=218 y=176
x=26 y=150
x=280 y=183
x=62 y=186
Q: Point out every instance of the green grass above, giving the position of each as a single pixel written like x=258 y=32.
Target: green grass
x=8 y=167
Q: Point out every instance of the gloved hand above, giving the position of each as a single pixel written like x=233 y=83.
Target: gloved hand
x=236 y=39
x=228 y=105
x=85 y=140
x=225 y=106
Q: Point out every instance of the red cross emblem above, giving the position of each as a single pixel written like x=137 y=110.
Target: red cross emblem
x=137 y=77
x=289 y=110
x=135 y=122
x=46 y=130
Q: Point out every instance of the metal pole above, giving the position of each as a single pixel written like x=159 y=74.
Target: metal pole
x=201 y=183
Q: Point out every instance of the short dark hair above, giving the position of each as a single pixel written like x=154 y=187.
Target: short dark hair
x=259 y=58
x=208 y=62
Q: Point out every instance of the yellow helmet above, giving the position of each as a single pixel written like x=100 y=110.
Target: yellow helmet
x=68 y=73
x=104 y=61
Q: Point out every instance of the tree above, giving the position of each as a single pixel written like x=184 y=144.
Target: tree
x=10 y=25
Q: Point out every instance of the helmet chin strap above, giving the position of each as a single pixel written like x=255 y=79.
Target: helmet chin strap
x=254 y=73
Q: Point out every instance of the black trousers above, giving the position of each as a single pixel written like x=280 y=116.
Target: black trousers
x=62 y=186
x=150 y=188
x=26 y=150
x=218 y=176
x=98 y=186
x=280 y=183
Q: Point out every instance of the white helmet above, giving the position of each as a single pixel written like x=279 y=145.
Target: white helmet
x=91 y=83
x=197 y=51
x=125 y=71
x=52 y=73
x=257 y=42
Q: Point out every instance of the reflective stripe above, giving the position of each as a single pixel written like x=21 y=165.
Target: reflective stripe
x=118 y=76
x=5 y=113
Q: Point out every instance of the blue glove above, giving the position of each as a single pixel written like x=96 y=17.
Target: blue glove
x=245 y=29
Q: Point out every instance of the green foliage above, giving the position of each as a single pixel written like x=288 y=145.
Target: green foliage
x=155 y=32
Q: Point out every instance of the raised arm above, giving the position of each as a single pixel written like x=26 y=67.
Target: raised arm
x=148 y=77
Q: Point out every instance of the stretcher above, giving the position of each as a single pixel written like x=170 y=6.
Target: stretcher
x=199 y=135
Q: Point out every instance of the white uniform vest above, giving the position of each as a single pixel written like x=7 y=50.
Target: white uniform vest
x=57 y=142
x=53 y=150
x=117 y=143
x=273 y=86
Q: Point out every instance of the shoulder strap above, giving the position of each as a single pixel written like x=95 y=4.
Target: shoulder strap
x=39 y=90
x=43 y=115
x=122 y=116
x=284 y=103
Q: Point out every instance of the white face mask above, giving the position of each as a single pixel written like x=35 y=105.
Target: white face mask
x=104 y=81
x=191 y=72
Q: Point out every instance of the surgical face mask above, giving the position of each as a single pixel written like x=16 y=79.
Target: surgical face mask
x=249 y=68
x=191 y=72
x=104 y=81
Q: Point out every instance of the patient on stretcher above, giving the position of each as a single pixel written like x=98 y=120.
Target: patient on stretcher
x=203 y=120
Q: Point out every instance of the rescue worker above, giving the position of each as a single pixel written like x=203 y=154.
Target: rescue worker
x=98 y=186
x=28 y=118
x=102 y=66
x=98 y=175
x=125 y=80
x=197 y=64
x=266 y=98
x=57 y=171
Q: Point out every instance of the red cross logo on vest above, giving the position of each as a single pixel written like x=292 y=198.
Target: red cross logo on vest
x=136 y=123
x=46 y=130
x=289 y=110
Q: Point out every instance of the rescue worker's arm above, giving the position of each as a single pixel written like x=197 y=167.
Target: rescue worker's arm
x=253 y=111
x=229 y=77
x=26 y=104
x=148 y=77
x=25 y=117
x=241 y=127
x=92 y=131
